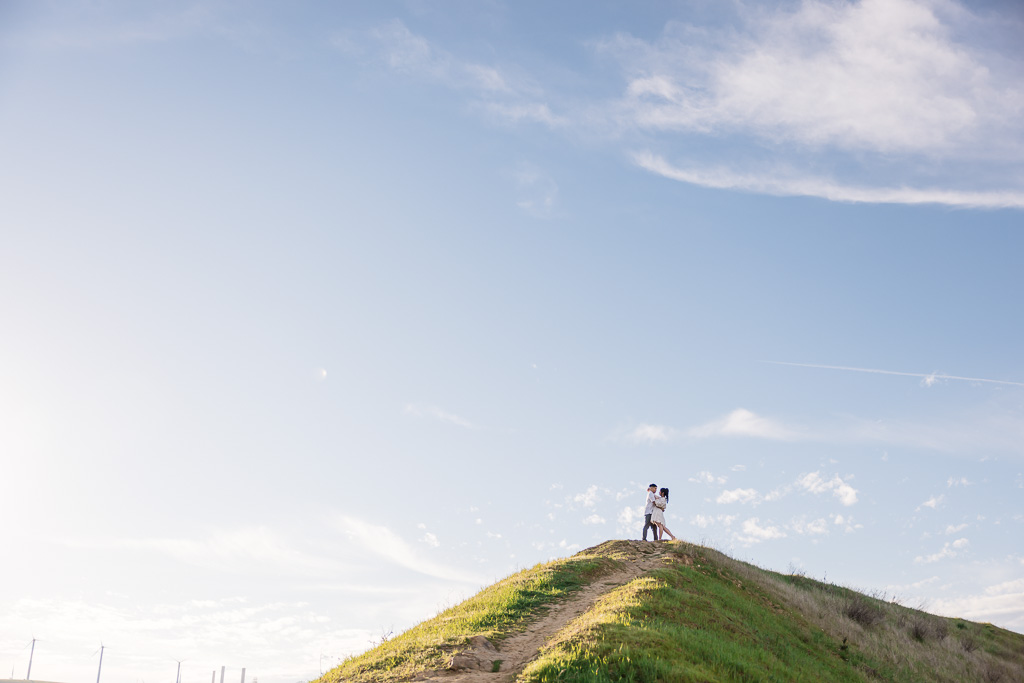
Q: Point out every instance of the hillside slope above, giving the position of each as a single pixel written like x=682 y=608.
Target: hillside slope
x=634 y=611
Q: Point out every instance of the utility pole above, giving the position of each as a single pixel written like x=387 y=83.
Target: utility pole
x=100 y=670
x=177 y=676
x=221 y=675
x=28 y=676
x=243 y=674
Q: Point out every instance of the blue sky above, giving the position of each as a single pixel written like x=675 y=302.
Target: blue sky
x=318 y=318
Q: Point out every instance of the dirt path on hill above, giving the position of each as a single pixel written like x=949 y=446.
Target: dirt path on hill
x=518 y=650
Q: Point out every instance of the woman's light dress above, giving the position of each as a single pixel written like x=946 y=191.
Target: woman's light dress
x=659 y=510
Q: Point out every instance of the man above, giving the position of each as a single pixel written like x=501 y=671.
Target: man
x=651 y=490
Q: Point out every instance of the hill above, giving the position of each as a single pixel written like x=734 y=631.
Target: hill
x=635 y=611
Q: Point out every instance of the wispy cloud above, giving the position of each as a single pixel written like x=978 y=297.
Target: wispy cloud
x=705 y=521
x=237 y=550
x=432 y=411
x=846 y=522
x=932 y=502
x=742 y=422
x=753 y=532
x=501 y=93
x=1002 y=603
x=386 y=544
x=816 y=527
x=928 y=379
x=813 y=482
x=537 y=190
x=783 y=183
x=738 y=496
x=587 y=498
x=651 y=433
x=950 y=549
x=265 y=634
x=877 y=75
x=890 y=87
x=706 y=477
x=996 y=428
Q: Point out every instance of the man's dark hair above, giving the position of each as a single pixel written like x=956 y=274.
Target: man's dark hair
x=653 y=486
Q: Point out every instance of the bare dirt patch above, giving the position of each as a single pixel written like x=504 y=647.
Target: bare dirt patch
x=477 y=663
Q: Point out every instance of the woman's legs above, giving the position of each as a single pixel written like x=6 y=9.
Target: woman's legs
x=664 y=530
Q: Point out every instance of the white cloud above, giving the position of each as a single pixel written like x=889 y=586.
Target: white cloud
x=588 y=498
x=932 y=502
x=1002 y=603
x=742 y=422
x=651 y=433
x=706 y=477
x=950 y=549
x=422 y=410
x=593 y=519
x=386 y=544
x=753 y=532
x=955 y=529
x=630 y=520
x=738 y=496
x=231 y=551
x=407 y=52
x=880 y=75
x=431 y=540
x=888 y=85
x=957 y=481
x=704 y=521
x=813 y=528
x=538 y=192
x=519 y=112
x=499 y=92
x=786 y=183
x=846 y=521
x=814 y=483
x=264 y=634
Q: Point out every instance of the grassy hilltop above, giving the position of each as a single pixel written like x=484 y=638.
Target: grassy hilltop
x=680 y=612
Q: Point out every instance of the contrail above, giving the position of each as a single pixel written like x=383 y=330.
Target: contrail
x=930 y=377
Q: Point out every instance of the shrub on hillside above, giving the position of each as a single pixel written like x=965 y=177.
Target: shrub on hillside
x=863 y=611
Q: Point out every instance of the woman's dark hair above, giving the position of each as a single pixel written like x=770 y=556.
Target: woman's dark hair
x=664 y=493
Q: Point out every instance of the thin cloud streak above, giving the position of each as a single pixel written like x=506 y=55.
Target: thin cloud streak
x=772 y=183
x=929 y=378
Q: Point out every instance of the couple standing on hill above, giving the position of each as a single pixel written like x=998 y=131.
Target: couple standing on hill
x=654 y=513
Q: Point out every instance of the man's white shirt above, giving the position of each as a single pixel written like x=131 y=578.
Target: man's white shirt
x=650 y=504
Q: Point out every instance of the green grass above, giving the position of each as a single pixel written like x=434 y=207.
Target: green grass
x=697 y=622
x=703 y=616
x=495 y=612
x=707 y=617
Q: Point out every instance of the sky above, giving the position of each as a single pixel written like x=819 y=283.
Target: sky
x=316 y=317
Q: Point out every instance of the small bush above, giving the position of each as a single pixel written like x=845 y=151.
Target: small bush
x=923 y=629
x=994 y=674
x=863 y=611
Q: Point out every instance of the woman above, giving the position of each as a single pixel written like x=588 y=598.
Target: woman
x=658 y=516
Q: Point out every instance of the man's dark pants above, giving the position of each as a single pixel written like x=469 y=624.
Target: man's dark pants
x=648 y=525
